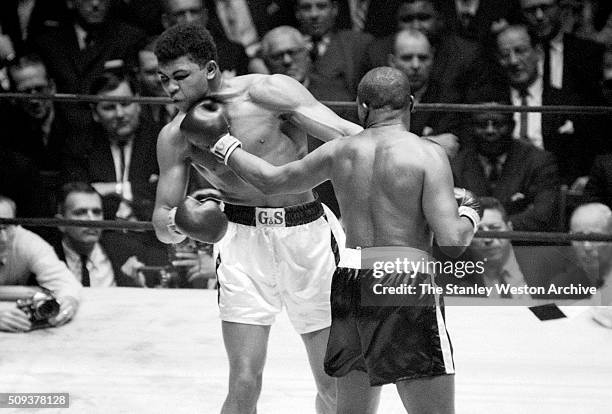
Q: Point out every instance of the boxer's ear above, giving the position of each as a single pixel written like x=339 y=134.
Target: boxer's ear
x=212 y=69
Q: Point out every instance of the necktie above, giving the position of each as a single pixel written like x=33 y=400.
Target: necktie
x=546 y=69
x=121 y=145
x=494 y=172
x=314 y=52
x=359 y=15
x=84 y=271
x=524 y=117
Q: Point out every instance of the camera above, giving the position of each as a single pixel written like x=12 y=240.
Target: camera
x=40 y=307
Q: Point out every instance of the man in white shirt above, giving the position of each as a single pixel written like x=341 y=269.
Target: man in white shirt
x=23 y=253
x=81 y=247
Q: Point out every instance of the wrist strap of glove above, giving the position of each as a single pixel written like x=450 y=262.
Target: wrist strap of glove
x=224 y=147
x=470 y=214
x=172 y=225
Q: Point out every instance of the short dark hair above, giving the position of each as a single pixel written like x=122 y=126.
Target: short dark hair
x=492 y=203
x=384 y=86
x=188 y=39
x=111 y=79
x=72 y=187
x=516 y=26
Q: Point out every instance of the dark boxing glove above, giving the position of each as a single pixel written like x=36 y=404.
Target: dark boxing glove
x=469 y=206
x=205 y=123
x=199 y=217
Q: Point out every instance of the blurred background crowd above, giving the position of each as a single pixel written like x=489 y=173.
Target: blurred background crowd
x=538 y=171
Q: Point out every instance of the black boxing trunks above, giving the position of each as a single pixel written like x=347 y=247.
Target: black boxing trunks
x=391 y=338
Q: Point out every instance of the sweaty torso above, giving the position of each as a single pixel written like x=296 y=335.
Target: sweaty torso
x=380 y=177
x=264 y=131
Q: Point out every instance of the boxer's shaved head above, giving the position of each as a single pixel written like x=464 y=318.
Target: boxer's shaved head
x=384 y=86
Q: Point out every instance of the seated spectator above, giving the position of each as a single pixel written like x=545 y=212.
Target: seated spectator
x=120 y=162
x=562 y=134
x=567 y=61
x=150 y=85
x=79 y=50
x=337 y=55
x=460 y=66
x=370 y=16
x=414 y=55
x=23 y=253
x=524 y=178
x=34 y=127
x=478 y=19
x=94 y=260
x=497 y=255
x=595 y=258
x=233 y=60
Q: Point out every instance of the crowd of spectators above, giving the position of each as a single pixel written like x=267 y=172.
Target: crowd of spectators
x=519 y=52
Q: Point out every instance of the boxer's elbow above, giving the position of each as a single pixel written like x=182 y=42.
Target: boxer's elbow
x=455 y=240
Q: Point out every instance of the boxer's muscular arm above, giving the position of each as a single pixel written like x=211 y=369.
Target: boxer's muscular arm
x=292 y=178
x=173 y=180
x=453 y=233
x=286 y=95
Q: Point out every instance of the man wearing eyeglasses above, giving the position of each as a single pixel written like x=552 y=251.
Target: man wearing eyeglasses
x=39 y=128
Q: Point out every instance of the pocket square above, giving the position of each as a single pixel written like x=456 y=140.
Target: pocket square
x=517 y=196
x=567 y=127
x=153 y=178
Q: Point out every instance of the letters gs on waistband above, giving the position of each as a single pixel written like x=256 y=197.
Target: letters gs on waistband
x=274 y=217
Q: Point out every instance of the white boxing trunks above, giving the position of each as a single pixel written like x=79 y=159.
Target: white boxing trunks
x=275 y=257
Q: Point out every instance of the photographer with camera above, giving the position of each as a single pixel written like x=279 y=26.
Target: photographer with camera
x=23 y=253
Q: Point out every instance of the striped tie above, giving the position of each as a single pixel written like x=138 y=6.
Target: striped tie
x=359 y=15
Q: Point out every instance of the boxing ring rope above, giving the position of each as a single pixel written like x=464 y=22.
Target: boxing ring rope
x=545 y=237
x=425 y=107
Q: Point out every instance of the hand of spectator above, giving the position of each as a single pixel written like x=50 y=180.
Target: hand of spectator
x=448 y=141
x=579 y=185
x=7 y=52
x=68 y=308
x=14 y=320
x=131 y=268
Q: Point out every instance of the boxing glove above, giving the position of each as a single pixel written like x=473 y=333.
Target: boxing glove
x=200 y=217
x=469 y=206
x=206 y=126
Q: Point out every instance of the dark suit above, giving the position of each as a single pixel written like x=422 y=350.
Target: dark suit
x=380 y=17
x=479 y=26
x=599 y=187
x=439 y=121
x=73 y=69
x=528 y=171
x=459 y=66
x=266 y=14
x=20 y=181
x=574 y=150
x=119 y=247
x=94 y=163
x=343 y=63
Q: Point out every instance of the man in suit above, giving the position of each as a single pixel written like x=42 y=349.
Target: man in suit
x=338 y=55
x=120 y=158
x=568 y=60
x=414 y=55
x=459 y=64
x=479 y=19
x=93 y=262
x=369 y=16
x=524 y=178
x=564 y=135
x=232 y=57
x=78 y=51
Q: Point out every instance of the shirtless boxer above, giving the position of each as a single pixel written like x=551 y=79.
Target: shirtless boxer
x=394 y=189
x=277 y=249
